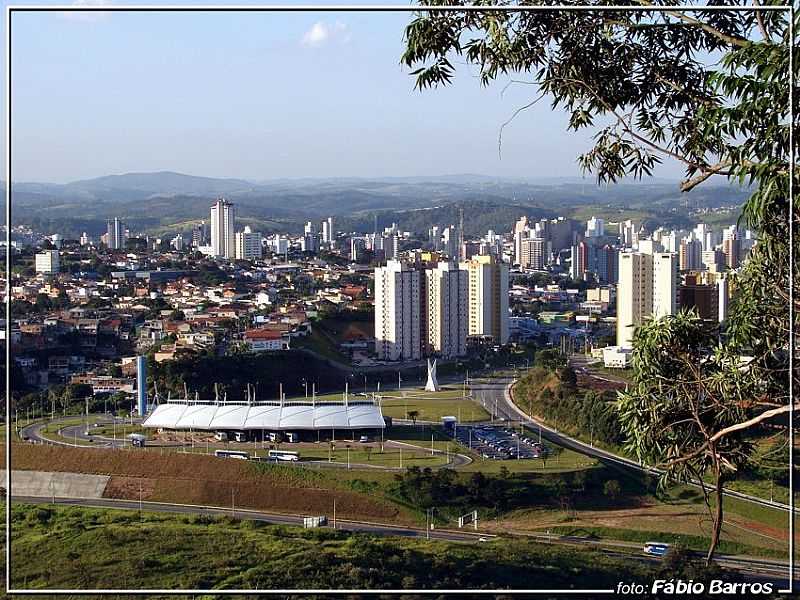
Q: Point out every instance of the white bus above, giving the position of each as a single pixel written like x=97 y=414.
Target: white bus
x=283 y=455
x=232 y=454
x=656 y=548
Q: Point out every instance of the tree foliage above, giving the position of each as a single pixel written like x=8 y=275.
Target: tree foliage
x=710 y=90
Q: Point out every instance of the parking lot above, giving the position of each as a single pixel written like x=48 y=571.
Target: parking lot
x=499 y=443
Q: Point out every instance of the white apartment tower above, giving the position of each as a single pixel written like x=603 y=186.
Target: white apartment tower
x=47 y=262
x=248 y=244
x=116 y=234
x=327 y=230
x=634 y=294
x=223 y=221
x=595 y=227
x=647 y=286
x=398 y=306
x=447 y=304
x=488 y=297
x=665 y=284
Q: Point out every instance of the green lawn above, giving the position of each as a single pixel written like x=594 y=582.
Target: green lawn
x=70 y=547
x=432 y=406
x=390 y=457
x=320 y=343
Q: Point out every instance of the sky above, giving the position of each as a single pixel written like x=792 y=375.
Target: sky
x=260 y=96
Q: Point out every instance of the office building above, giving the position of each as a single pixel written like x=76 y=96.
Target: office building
x=223 y=222
x=398 y=312
x=488 y=297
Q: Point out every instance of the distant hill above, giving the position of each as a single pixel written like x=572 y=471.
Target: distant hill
x=167 y=201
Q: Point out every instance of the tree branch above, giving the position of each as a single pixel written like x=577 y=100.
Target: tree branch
x=734 y=41
x=767 y=414
x=761 y=25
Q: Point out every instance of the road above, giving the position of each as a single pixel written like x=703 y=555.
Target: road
x=755 y=568
x=497 y=394
x=33 y=432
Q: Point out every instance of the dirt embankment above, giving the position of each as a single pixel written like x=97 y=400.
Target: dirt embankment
x=206 y=480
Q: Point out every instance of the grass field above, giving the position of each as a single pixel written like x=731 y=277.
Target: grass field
x=693 y=542
x=390 y=457
x=432 y=406
x=70 y=547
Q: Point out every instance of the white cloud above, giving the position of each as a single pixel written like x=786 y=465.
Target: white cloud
x=87 y=16
x=321 y=33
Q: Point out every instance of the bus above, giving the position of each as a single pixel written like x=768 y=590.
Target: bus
x=283 y=455
x=656 y=549
x=232 y=454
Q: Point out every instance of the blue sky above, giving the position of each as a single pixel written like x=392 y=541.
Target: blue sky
x=259 y=96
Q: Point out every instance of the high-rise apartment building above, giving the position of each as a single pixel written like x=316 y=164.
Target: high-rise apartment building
x=248 y=244
x=595 y=227
x=648 y=285
x=712 y=260
x=447 y=292
x=488 y=297
x=327 y=231
x=223 y=222
x=115 y=231
x=398 y=312
x=732 y=249
x=690 y=254
x=634 y=294
x=47 y=262
x=607 y=259
x=581 y=259
x=200 y=235
x=535 y=254
x=665 y=284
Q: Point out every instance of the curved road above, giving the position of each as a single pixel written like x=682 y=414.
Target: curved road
x=498 y=394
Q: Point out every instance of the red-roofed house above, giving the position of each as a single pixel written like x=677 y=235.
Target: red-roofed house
x=261 y=340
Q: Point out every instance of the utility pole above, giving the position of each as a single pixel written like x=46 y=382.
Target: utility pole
x=233 y=502
x=334 y=513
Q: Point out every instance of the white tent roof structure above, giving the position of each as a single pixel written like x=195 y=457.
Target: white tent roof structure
x=272 y=416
